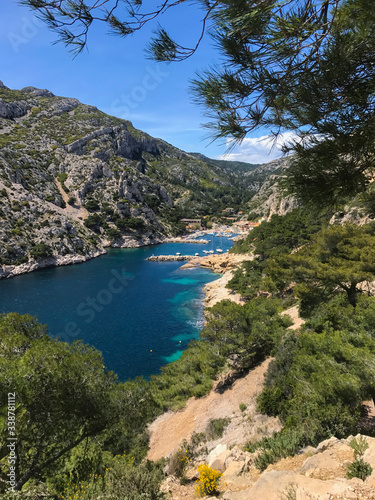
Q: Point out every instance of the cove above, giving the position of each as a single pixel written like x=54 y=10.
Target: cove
x=139 y=314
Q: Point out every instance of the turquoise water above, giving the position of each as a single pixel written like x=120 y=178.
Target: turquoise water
x=139 y=314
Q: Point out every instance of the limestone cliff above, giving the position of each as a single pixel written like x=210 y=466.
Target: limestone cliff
x=74 y=180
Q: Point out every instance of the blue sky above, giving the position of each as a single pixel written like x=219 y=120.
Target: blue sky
x=115 y=75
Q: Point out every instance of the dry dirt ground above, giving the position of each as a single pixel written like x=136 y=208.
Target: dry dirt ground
x=294 y=314
x=170 y=429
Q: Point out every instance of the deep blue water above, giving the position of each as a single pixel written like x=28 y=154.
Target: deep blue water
x=139 y=314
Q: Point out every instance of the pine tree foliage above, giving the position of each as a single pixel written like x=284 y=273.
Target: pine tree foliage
x=300 y=65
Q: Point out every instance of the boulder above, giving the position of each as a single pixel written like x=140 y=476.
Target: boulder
x=273 y=485
x=217 y=457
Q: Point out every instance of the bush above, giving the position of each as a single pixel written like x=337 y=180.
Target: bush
x=209 y=480
x=62 y=177
x=92 y=205
x=359 y=468
x=216 y=427
x=243 y=407
x=94 y=222
x=178 y=463
x=41 y=251
x=71 y=200
x=121 y=480
x=121 y=224
x=113 y=234
x=135 y=223
x=130 y=223
x=281 y=445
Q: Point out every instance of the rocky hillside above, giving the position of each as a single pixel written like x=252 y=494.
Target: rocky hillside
x=74 y=180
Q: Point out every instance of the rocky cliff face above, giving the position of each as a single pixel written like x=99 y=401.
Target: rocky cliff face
x=270 y=198
x=74 y=180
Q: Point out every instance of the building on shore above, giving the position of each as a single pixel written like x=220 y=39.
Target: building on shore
x=192 y=223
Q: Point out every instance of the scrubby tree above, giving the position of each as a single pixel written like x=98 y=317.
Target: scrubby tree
x=249 y=332
x=63 y=395
x=320 y=377
x=339 y=258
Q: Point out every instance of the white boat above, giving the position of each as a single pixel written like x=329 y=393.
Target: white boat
x=178 y=254
x=211 y=251
x=205 y=251
x=219 y=250
x=197 y=254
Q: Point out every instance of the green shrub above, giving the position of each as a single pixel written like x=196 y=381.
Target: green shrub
x=72 y=200
x=281 y=445
x=62 y=177
x=135 y=223
x=243 y=407
x=41 y=251
x=359 y=468
x=94 y=222
x=113 y=234
x=216 y=427
x=178 y=462
x=121 y=480
x=92 y=205
x=121 y=224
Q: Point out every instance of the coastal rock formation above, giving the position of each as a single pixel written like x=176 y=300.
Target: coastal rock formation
x=169 y=258
x=218 y=263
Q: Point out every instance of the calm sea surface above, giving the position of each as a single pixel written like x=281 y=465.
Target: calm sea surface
x=139 y=314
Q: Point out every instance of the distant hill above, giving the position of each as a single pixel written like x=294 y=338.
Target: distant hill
x=231 y=167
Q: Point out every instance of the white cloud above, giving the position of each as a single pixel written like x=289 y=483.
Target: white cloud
x=259 y=149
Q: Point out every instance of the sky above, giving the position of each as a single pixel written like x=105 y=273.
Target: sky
x=115 y=75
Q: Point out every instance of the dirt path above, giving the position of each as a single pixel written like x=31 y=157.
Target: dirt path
x=75 y=212
x=171 y=428
x=293 y=312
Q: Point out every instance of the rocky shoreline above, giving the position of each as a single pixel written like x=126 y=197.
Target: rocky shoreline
x=224 y=264
x=186 y=240
x=169 y=258
x=28 y=267
x=10 y=271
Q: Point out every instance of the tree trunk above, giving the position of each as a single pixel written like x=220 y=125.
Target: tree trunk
x=352 y=294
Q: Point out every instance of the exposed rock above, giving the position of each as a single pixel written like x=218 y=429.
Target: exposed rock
x=169 y=258
x=37 y=92
x=321 y=476
x=187 y=240
x=216 y=459
x=11 y=110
